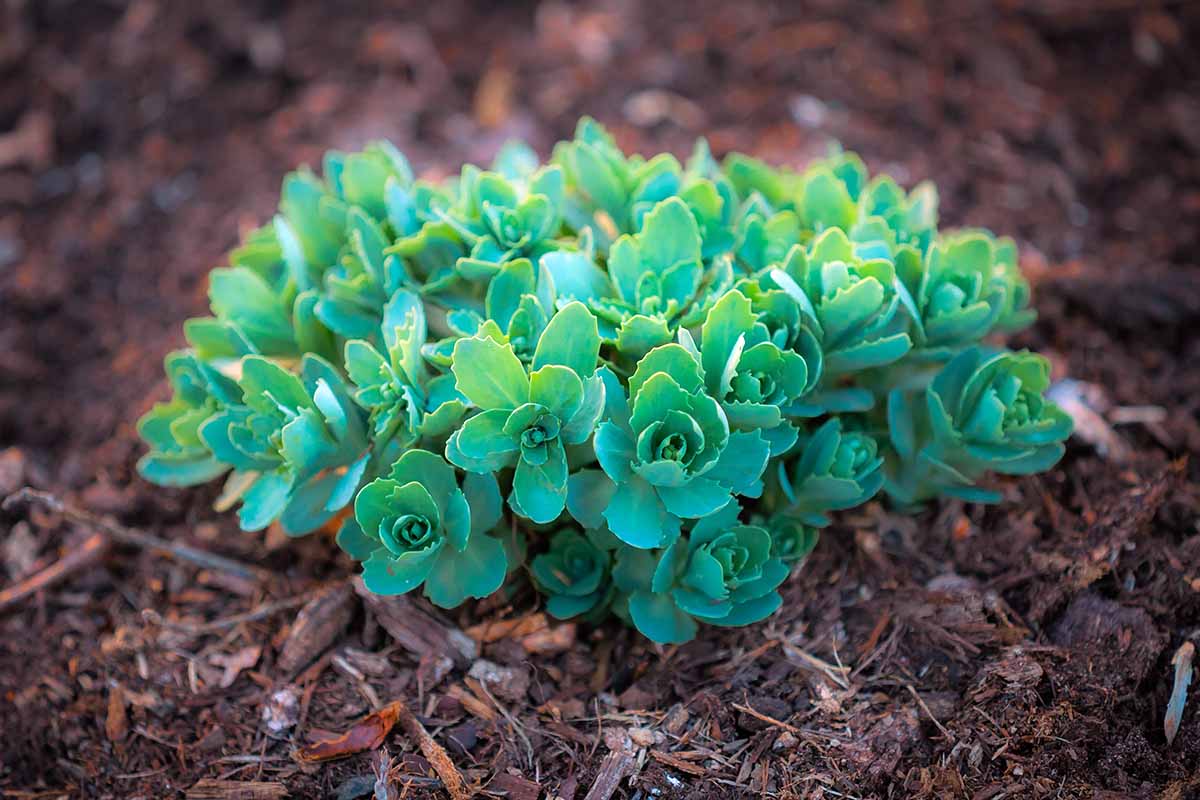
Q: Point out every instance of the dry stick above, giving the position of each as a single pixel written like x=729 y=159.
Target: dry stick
x=137 y=538
x=921 y=701
x=88 y=554
x=437 y=756
x=257 y=613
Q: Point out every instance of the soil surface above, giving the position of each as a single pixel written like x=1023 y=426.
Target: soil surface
x=1021 y=650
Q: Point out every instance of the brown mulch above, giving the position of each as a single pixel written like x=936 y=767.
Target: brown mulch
x=1021 y=650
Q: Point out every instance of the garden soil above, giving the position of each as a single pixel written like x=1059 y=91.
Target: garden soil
x=1023 y=650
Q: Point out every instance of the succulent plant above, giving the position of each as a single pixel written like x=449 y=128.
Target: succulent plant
x=660 y=380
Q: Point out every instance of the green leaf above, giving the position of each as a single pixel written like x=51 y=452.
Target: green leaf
x=558 y=389
x=638 y=517
x=489 y=374
x=167 y=470
x=386 y=574
x=589 y=492
x=571 y=339
x=672 y=360
x=658 y=619
x=540 y=491
x=726 y=326
x=669 y=235
x=265 y=500
x=482 y=437
x=355 y=543
x=475 y=572
x=483 y=497
x=698 y=497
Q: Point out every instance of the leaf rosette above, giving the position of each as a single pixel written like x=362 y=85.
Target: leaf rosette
x=527 y=420
x=984 y=411
x=836 y=469
x=573 y=574
x=722 y=573
x=418 y=527
x=668 y=453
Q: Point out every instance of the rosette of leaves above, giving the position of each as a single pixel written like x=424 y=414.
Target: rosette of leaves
x=853 y=301
x=526 y=420
x=178 y=455
x=757 y=381
x=764 y=236
x=501 y=220
x=418 y=526
x=1017 y=313
x=297 y=444
x=403 y=400
x=660 y=281
x=722 y=573
x=713 y=201
x=608 y=192
x=791 y=539
x=889 y=218
x=667 y=453
x=985 y=411
x=517 y=307
x=257 y=311
x=836 y=469
x=959 y=294
x=574 y=575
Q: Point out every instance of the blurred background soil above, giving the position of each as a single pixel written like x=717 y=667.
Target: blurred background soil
x=1022 y=650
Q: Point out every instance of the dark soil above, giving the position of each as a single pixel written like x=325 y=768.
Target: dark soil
x=1021 y=650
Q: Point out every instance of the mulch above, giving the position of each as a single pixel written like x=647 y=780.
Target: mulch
x=1019 y=650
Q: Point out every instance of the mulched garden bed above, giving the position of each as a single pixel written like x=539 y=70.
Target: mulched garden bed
x=1021 y=650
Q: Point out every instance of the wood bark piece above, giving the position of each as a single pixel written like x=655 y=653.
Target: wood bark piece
x=318 y=625
x=417 y=630
x=208 y=789
x=617 y=765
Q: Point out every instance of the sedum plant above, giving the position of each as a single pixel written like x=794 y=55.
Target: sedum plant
x=658 y=379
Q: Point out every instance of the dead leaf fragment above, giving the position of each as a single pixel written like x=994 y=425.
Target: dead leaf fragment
x=365 y=735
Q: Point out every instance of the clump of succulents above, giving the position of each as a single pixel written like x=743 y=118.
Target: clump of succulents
x=655 y=380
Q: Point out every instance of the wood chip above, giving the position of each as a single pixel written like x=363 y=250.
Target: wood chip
x=116 y=724
x=417 y=630
x=515 y=787
x=234 y=663
x=677 y=763
x=236 y=790
x=318 y=625
x=617 y=765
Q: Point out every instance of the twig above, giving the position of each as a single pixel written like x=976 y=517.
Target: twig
x=452 y=779
x=257 y=613
x=806 y=660
x=82 y=557
x=922 y=703
x=136 y=538
x=761 y=717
